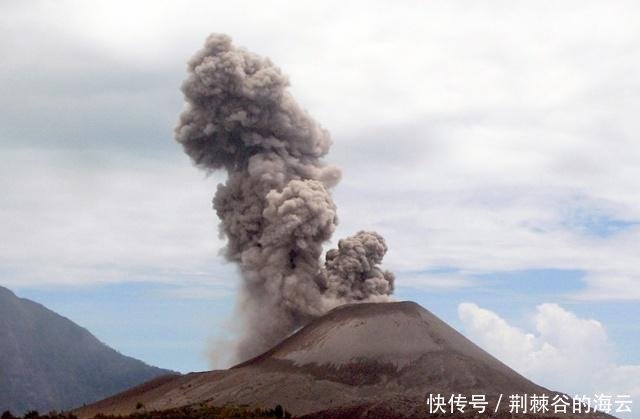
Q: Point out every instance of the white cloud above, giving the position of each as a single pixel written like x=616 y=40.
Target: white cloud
x=468 y=135
x=611 y=286
x=106 y=220
x=433 y=281
x=564 y=352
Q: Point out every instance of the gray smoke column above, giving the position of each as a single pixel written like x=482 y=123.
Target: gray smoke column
x=275 y=207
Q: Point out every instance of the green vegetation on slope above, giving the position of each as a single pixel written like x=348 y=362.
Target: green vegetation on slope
x=188 y=412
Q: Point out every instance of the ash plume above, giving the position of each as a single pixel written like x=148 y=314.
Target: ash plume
x=275 y=207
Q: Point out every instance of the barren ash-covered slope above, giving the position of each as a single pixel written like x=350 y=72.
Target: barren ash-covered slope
x=359 y=360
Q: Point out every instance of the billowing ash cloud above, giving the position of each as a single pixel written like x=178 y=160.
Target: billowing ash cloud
x=275 y=207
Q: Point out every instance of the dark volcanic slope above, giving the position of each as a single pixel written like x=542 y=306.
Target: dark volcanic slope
x=48 y=362
x=357 y=358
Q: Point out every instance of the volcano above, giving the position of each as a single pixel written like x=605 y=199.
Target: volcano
x=374 y=360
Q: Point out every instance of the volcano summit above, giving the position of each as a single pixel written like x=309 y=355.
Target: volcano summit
x=358 y=360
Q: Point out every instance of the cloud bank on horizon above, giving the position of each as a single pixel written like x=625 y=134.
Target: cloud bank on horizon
x=563 y=352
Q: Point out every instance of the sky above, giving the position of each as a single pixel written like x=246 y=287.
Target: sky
x=494 y=145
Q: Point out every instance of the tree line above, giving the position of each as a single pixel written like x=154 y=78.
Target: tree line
x=187 y=412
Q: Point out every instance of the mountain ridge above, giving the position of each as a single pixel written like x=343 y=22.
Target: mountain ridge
x=48 y=362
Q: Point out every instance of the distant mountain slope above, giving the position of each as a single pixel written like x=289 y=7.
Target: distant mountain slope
x=369 y=360
x=48 y=362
